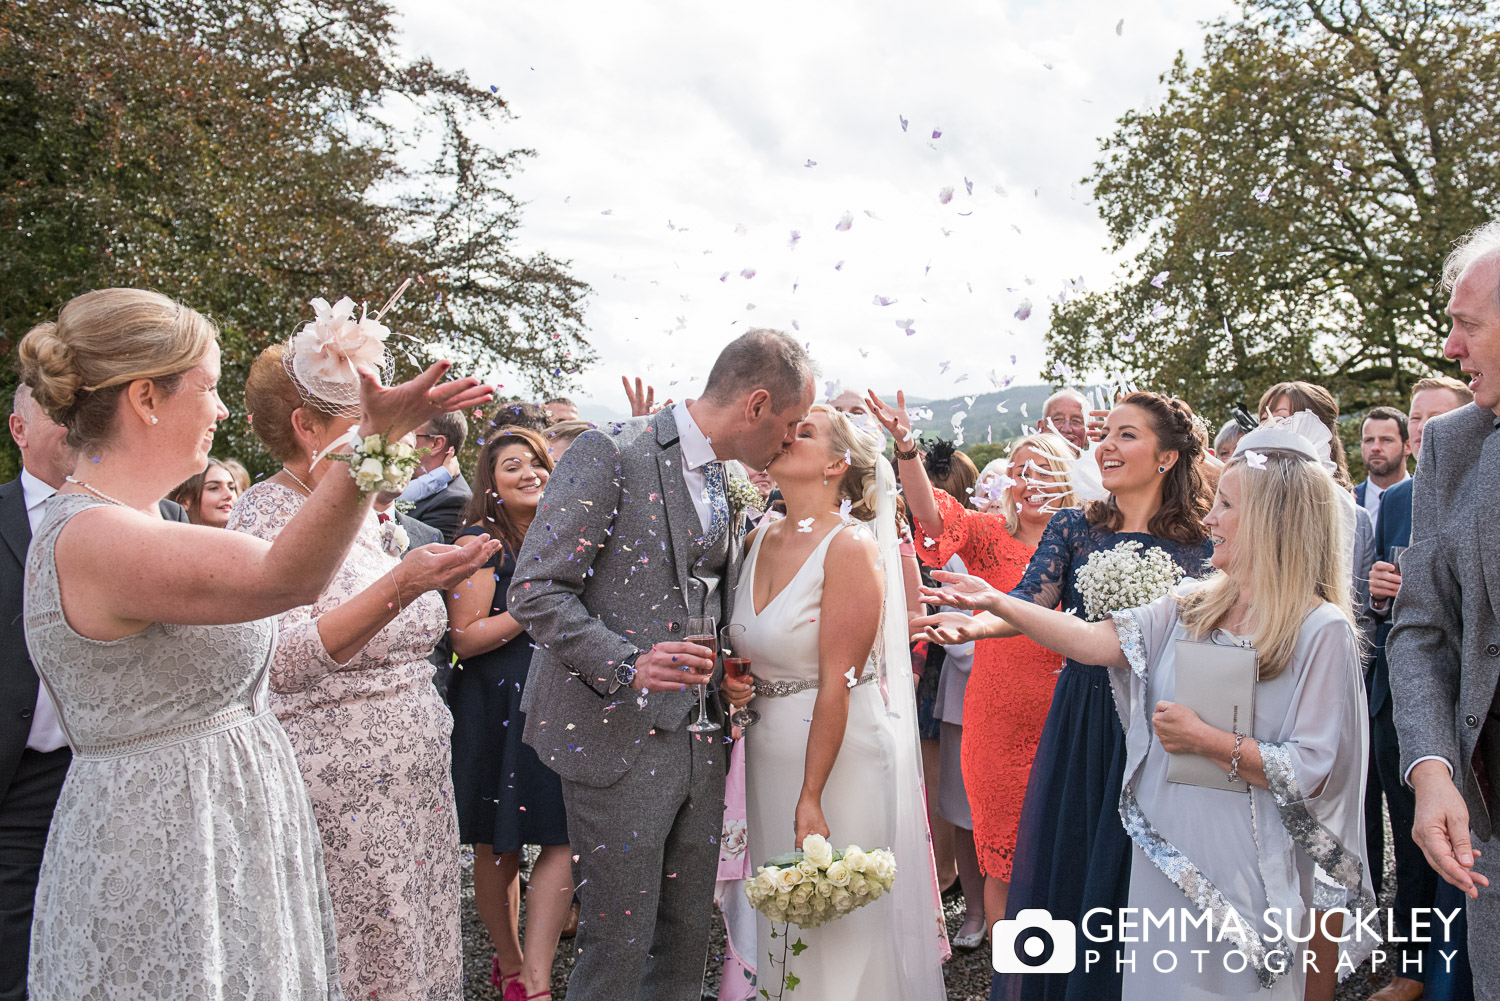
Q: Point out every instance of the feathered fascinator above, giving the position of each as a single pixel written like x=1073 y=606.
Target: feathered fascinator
x=1302 y=433
x=325 y=357
x=939 y=459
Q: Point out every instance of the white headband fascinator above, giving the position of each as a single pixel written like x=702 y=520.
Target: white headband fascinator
x=325 y=357
x=1302 y=433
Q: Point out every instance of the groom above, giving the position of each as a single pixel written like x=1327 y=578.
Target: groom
x=634 y=535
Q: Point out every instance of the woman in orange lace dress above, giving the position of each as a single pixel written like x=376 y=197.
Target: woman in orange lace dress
x=1010 y=685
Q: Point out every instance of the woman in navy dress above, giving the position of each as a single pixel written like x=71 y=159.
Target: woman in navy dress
x=506 y=796
x=1072 y=852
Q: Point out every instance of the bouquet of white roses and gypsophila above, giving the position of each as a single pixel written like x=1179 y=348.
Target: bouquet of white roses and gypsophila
x=1125 y=577
x=818 y=884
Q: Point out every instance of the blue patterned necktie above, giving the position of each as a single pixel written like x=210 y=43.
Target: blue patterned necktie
x=718 y=501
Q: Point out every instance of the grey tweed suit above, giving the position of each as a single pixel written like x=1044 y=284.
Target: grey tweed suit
x=606 y=570
x=1444 y=648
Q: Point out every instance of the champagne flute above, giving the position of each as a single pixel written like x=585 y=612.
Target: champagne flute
x=737 y=666
x=703 y=631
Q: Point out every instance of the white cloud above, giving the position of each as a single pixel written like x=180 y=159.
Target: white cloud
x=706 y=114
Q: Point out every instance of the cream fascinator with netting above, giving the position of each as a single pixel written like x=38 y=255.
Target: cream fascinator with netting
x=325 y=357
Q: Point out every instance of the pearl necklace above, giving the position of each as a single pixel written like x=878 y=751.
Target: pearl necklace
x=96 y=492
x=301 y=484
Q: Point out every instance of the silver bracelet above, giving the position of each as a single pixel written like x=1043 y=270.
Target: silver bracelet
x=1234 y=759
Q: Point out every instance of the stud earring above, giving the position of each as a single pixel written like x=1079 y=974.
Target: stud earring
x=154 y=420
x=1161 y=469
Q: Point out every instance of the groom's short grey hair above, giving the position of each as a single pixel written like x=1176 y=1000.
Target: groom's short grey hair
x=1476 y=246
x=760 y=359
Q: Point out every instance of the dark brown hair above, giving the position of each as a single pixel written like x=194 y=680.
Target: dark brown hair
x=484 y=508
x=189 y=493
x=1185 y=497
x=1310 y=396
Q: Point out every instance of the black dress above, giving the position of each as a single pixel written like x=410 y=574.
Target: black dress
x=506 y=797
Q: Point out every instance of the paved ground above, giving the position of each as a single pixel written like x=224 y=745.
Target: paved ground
x=968 y=976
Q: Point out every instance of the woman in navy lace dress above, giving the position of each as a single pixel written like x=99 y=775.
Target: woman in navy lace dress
x=1072 y=853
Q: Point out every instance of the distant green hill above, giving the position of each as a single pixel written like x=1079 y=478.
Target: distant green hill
x=981 y=420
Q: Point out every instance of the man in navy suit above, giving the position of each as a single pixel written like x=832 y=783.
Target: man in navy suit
x=1383 y=444
x=34 y=754
x=1416 y=882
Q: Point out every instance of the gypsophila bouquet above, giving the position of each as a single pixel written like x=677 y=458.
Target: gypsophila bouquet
x=1125 y=577
x=744 y=498
x=817 y=884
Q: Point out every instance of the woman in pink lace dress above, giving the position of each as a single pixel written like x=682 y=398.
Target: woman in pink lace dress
x=352 y=686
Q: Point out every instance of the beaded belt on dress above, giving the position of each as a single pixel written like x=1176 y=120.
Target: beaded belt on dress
x=227 y=719
x=777 y=688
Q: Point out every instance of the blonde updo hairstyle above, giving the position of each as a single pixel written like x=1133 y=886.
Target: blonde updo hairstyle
x=270 y=399
x=864 y=450
x=101 y=342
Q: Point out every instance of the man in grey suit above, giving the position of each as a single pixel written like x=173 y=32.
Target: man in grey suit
x=1444 y=649
x=635 y=535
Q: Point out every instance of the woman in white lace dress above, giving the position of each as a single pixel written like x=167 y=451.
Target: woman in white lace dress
x=352 y=686
x=183 y=860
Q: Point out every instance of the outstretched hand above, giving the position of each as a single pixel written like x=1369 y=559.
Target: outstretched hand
x=894 y=419
x=439 y=567
x=642 y=398
x=946 y=628
x=962 y=591
x=395 y=411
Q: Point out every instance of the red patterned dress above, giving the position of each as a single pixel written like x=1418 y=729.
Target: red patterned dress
x=1010 y=686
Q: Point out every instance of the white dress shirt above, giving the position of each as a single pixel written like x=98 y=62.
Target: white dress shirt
x=46 y=731
x=697 y=452
x=1373 y=493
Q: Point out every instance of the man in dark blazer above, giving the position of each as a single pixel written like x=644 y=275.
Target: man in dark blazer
x=1444 y=648
x=439 y=492
x=34 y=754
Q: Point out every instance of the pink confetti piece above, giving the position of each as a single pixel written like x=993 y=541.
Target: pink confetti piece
x=845 y=221
x=1023 y=311
x=945 y=195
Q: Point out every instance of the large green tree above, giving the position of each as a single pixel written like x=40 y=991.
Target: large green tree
x=247 y=156
x=1301 y=183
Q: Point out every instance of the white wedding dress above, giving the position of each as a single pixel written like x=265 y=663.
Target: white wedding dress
x=888 y=950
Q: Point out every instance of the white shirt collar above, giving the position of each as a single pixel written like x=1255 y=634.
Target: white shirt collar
x=697 y=450
x=33 y=490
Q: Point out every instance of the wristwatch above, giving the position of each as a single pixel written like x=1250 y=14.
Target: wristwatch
x=624 y=672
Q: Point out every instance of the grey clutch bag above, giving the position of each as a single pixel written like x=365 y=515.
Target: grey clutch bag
x=1217 y=682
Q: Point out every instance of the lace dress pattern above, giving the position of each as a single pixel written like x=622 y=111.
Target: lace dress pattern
x=183 y=860
x=1010 y=686
x=372 y=739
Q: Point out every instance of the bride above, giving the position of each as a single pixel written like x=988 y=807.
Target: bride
x=835 y=750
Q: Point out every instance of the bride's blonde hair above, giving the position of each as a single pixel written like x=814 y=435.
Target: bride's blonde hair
x=1294 y=554
x=863 y=449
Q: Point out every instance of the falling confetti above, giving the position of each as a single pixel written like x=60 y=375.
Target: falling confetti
x=1023 y=311
x=1160 y=281
x=937 y=133
x=1343 y=170
x=904 y=122
x=908 y=326
x=1254 y=459
x=810 y=163
x=845 y=221
x=1158 y=311
x=1263 y=195
x=1120 y=28
x=792 y=242
x=881 y=300
x=748 y=273
x=945 y=195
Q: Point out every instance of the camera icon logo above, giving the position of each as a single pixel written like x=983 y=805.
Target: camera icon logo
x=1034 y=942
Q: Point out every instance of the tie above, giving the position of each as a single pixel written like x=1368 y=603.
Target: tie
x=718 y=502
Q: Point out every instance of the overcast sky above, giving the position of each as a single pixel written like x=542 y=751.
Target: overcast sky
x=681 y=145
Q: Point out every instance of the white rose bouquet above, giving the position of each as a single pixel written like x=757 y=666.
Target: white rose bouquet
x=1125 y=577
x=815 y=886
x=818 y=884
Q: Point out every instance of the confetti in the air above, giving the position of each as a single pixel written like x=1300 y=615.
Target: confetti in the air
x=937 y=133
x=904 y=122
x=1254 y=459
x=1158 y=311
x=1120 y=28
x=968 y=186
x=1160 y=281
x=845 y=506
x=792 y=242
x=908 y=326
x=1023 y=311
x=1263 y=195
x=1342 y=169
x=845 y=221
x=881 y=300
x=945 y=195
x=810 y=163
x=748 y=273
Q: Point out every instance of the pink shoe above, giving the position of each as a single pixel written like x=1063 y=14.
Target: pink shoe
x=503 y=982
x=517 y=992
